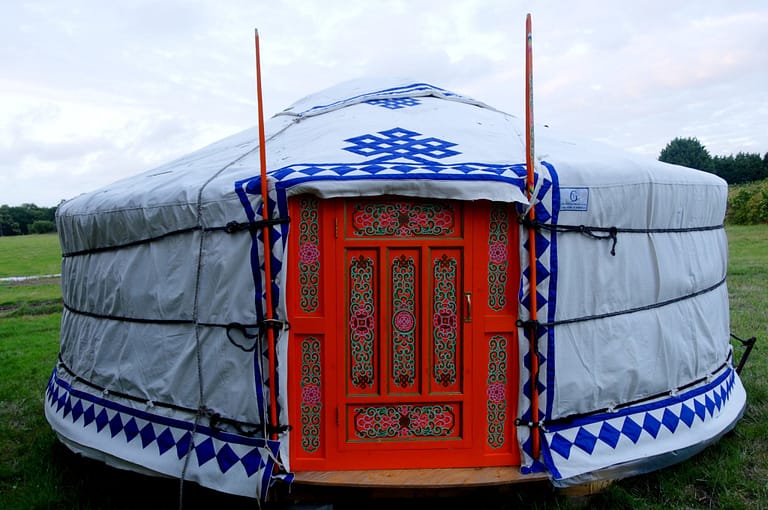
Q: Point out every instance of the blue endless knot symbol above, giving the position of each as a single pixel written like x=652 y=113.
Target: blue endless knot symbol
x=400 y=143
x=394 y=103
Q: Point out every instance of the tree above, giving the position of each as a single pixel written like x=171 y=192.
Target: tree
x=687 y=152
x=42 y=227
x=16 y=220
x=8 y=226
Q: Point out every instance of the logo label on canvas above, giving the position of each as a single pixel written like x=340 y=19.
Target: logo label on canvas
x=574 y=199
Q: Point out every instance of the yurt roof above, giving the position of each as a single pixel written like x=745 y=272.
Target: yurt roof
x=455 y=147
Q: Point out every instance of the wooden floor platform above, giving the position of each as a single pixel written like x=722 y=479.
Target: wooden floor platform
x=418 y=478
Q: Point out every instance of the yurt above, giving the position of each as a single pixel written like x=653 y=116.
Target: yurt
x=425 y=313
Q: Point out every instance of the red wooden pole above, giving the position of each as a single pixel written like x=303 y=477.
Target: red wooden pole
x=531 y=235
x=267 y=252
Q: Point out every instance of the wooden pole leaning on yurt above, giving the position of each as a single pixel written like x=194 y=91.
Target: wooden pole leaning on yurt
x=529 y=158
x=268 y=317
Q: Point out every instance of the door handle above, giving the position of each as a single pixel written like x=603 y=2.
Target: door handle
x=467 y=307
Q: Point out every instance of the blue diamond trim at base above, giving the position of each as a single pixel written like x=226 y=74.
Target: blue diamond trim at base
x=631 y=429
x=585 y=440
x=205 y=451
x=647 y=418
x=122 y=429
x=561 y=445
x=226 y=458
x=609 y=435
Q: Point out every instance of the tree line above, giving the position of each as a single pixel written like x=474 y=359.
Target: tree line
x=745 y=173
x=742 y=168
x=26 y=219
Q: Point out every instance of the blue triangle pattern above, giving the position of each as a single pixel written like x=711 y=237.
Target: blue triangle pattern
x=89 y=415
x=183 y=444
x=609 y=434
x=147 y=435
x=165 y=441
x=542 y=215
x=651 y=425
x=205 y=451
x=115 y=425
x=226 y=458
x=670 y=420
x=718 y=401
x=77 y=410
x=585 y=440
x=687 y=415
x=631 y=429
x=700 y=409
x=60 y=402
x=252 y=462
x=710 y=405
x=540 y=301
x=541 y=272
x=542 y=243
x=102 y=419
x=131 y=430
x=560 y=445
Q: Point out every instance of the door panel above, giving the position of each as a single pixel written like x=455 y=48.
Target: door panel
x=405 y=325
x=445 y=328
x=362 y=324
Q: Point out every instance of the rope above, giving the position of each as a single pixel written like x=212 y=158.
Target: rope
x=574 y=417
x=529 y=323
x=195 y=315
x=243 y=428
x=231 y=326
x=609 y=233
x=230 y=228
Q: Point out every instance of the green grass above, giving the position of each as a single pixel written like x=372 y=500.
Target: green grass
x=36 y=471
x=29 y=255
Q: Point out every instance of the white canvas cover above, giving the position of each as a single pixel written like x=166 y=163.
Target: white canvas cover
x=162 y=279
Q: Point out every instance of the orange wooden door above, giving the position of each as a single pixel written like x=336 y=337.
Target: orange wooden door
x=403 y=347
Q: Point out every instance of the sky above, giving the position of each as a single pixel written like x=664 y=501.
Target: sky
x=92 y=91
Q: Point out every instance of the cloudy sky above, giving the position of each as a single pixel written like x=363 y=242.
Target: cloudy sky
x=92 y=91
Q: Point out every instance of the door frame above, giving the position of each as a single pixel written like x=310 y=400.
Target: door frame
x=320 y=335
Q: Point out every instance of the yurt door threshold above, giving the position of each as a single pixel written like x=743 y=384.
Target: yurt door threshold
x=403 y=349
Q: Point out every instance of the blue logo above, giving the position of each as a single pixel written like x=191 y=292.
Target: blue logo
x=574 y=199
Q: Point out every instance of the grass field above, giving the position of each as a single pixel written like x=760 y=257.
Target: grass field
x=29 y=255
x=36 y=471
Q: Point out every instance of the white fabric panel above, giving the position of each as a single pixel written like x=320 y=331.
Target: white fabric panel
x=226 y=292
x=647 y=269
x=159 y=363
x=153 y=281
x=602 y=363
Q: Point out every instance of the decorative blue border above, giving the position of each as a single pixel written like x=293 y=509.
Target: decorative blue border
x=547 y=209
x=638 y=424
x=67 y=402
